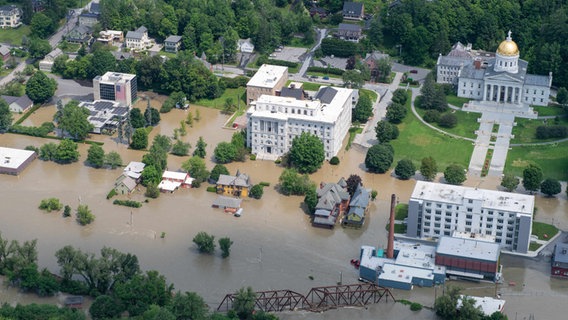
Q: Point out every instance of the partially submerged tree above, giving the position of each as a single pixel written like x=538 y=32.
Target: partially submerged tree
x=225 y=245
x=510 y=182
x=307 y=153
x=205 y=242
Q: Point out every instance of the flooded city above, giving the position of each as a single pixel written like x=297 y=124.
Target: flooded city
x=275 y=247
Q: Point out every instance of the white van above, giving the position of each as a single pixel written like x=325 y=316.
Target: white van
x=239 y=212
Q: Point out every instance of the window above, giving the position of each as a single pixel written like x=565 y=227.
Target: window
x=470 y=200
x=449 y=206
x=468 y=223
x=469 y=209
x=469 y=216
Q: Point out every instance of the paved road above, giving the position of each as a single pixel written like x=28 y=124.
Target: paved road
x=321 y=35
x=10 y=76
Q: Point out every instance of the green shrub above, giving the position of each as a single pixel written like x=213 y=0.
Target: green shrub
x=334 y=161
x=264 y=184
x=415 y=306
x=253 y=156
x=212 y=189
x=51 y=204
x=67 y=211
x=334 y=71
x=256 y=191
x=111 y=194
x=127 y=203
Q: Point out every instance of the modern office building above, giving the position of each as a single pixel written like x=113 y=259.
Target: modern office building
x=436 y=210
x=267 y=80
x=114 y=86
x=273 y=121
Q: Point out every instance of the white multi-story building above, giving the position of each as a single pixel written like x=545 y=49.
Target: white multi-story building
x=274 y=121
x=10 y=16
x=436 y=210
x=138 y=39
x=500 y=80
x=114 y=86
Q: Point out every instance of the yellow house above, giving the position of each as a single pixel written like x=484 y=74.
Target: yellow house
x=238 y=185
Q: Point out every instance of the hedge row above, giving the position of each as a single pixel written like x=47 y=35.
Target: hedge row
x=335 y=71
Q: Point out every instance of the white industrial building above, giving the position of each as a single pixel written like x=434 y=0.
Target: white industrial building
x=274 y=121
x=436 y=210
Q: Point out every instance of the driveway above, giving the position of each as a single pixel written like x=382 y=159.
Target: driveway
x=72 y=88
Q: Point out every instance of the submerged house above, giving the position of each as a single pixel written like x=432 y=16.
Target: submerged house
x=125 y=184
x=172 y=180
x=358 y=207
x=333 y=200
x=238 y=185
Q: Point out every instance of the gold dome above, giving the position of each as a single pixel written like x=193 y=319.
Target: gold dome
x=508 y=48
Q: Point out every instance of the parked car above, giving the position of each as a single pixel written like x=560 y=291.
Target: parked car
x=325 y=78
x=413 y=71
x=239 y=212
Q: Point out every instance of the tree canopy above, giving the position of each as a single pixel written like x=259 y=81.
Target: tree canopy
x=386 y=131
x=73 y=120
x=454 y=174
x=307 y=153
x=550 y=187
x=40 y=88
x=292 y=183
x=405 y=169
x=5 y=116
x=379 y=158
x=428 y=168
x=532 y=177
x=363 y=110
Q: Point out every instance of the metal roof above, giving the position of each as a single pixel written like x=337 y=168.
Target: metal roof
x=349 y=27
x=537 y=80
x=227 y=202
x=561 y=253
x=467 y=248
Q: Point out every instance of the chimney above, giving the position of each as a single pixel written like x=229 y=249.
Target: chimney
x=390 y=245
x=477 y=64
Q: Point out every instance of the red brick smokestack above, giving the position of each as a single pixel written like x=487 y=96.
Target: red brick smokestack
x=390 y=245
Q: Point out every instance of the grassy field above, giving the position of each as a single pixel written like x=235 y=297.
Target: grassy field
x=525 y=130
x=219 y=103
x=549 y=111
x=417 y=141
x=370 y=93
x=533 y=246
x=467 y=123
x=541 y=229
x=401 y=211
x=14 y=36
x=456 y=101
x=551 y=158
x=308 y=86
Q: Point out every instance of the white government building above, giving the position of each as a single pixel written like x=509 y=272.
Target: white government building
x=499 y=79
x=436 y=210
x=274 y=121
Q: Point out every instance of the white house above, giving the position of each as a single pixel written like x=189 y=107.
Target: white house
x=274 y=121
x=245 y=46
x=10 y=16
x=18 y=104
x=138 y=39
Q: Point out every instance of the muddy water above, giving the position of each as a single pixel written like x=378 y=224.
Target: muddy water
x=274 y=245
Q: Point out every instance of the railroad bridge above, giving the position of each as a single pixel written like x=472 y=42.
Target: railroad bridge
x=317 y=299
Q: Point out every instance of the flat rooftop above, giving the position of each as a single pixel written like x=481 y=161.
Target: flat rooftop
x=13 y=158
x=487 y=305
x=497 y=200
x=274 y=107
x=468 y=248
x=267 y=76
x=404 y=273
x=115 y=77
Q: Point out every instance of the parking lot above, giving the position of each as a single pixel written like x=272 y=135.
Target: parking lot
x=288 y=54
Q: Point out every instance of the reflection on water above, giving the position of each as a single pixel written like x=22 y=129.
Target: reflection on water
x=274 y=245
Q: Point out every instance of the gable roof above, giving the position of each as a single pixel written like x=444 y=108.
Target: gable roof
x=329 y=195
x=296 y=93
x=137 y=34
x=326 y=94
x=360 y=198
x=241 y=180
x=127 y=181
x=174 y=39
x=23 y=101
x=95 y=8
x=349 y=27
x=4 y=50
x=353 y=8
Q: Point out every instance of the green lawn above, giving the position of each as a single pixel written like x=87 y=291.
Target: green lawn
x=525 y=130
x=308 y=86
x=398 y=228
x=14 y=36
x=370 y=93
x=401 y=211
x=353 y=131
x=549 y=111
x=299 y=43
x=551 y=158
x=467 y=123
x=533 y=246
x=417 y=141
x=219 y=103
x=540 y=229
x=322 y=74
x=456 y=101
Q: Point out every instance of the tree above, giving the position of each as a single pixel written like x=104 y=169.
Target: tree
x=152 y=116
x=396 y=113
x=562 y=96
x=386 y=131
x=137 y=119
x=105 y=307
x=454 y=174
x=509 y=182
x=51 y=204
x=96 y=156
x=363 y=110
x=139 y=139
x=532 y=177
x=307 y=153
x=181 y=148
x=384 y=67
x=41 y=25
x=448 y=120
x=155 y=312
x=113 y=160
x=353 y=183
x=353 y=79
x=48 y=151
x=40 y=88
x=292 y=183
x=152 y=191
x=311 y=199
x=188 y=305
x=195 y=166
x=225 y=245
x=73 y=120
x=5 y=116
x=399 y=96
x=218 y=170
x=256 y=191
x=141 y=291
x=205 y=242
x=550 y=187
x=379 y=158
x=200 y=148
x=66 y=152
x=151 y=176
x=405 y=169
x=244 y=302
x=225 y=152
x=84 y=215
x=428 y=168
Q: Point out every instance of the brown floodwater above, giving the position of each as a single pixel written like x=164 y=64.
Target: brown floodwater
x=274 y=247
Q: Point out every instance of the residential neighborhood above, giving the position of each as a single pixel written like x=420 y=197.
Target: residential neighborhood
x=406 y=158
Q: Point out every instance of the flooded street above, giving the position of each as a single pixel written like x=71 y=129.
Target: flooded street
x=274 y=247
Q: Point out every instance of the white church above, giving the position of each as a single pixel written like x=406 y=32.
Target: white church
x=501 y=78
